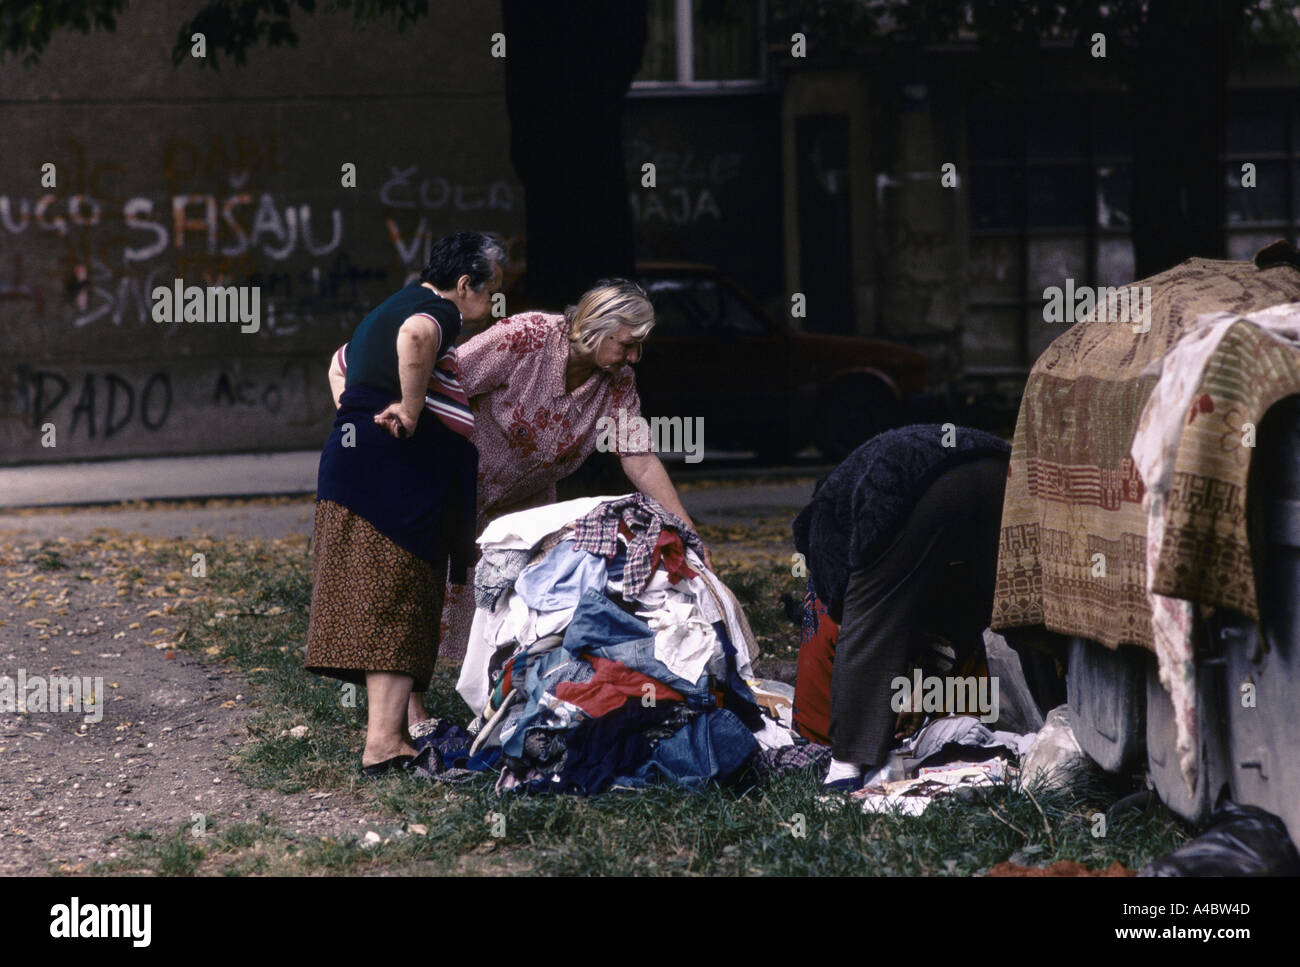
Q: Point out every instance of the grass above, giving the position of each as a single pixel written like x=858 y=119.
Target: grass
x=776 y=829
x=759 y=587
x=257 y=620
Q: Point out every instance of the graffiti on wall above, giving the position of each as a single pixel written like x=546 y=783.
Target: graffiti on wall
x=98 y=403
x=686 y=184
x=117 y=247
x=406 y=189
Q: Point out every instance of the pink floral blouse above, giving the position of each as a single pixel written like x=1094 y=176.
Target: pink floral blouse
x=528 y=430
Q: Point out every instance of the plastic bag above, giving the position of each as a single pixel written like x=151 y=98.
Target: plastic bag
x=1055 y=757
x=1240 y=841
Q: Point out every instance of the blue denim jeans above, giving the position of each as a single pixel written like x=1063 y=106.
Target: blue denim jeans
x=713 y=747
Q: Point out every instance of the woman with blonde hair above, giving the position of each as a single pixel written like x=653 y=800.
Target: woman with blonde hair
x=538 y=384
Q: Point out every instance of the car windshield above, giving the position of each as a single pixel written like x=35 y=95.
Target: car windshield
x=686 y=306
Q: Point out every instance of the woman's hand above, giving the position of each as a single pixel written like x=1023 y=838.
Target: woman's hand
x=397 y=421
x=647 y=474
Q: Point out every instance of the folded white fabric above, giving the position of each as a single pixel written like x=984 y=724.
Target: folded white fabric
x=684 y=641
x=488 y=629
x=964 y=730
x=742 y=638
x=654 y=593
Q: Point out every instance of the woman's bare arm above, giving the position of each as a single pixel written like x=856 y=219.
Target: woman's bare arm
x=417 y=348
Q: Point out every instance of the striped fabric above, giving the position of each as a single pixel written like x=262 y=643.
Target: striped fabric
x=444 y=396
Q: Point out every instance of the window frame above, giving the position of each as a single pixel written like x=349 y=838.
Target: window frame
x=1028 y=305
x=685 y=81
x=1286 y=102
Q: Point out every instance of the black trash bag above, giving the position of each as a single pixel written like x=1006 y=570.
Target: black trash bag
x=1240 y=841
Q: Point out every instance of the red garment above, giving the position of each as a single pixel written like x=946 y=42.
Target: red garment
x=812 y=688
x=672 y=552
x=612 y=685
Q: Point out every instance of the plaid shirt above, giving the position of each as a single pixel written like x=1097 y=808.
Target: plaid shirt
x=597 y=532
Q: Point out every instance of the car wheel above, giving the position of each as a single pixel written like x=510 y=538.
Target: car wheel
x=852 y=410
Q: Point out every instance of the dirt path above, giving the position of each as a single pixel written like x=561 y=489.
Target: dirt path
x=72 y=792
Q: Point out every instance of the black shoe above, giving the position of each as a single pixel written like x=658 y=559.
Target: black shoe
x=388 y=765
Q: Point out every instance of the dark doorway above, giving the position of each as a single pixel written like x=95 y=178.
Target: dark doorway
x=825 y=221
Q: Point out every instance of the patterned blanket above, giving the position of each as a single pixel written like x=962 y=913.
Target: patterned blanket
x=1073 y=548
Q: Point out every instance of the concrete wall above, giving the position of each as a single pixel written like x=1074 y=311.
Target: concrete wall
x=922 y=226
x=227 y=177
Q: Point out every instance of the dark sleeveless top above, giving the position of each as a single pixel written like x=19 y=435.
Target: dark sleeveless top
x=420 y=491
x=372 y=352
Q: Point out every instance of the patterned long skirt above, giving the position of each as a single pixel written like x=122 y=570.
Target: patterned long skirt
x=374 y=605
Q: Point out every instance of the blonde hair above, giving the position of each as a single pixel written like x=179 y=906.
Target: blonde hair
x=604 y=307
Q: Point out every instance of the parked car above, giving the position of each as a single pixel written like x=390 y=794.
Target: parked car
x=759 y=385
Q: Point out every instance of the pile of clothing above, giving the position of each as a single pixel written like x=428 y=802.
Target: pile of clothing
x=604 y=654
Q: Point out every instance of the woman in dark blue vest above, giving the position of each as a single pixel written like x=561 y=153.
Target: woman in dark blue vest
x=395 y=495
